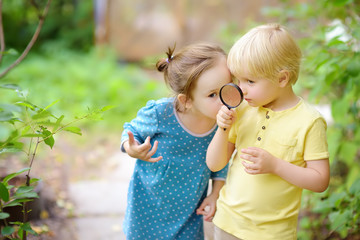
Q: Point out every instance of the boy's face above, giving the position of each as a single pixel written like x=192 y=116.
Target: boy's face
x=259 y=91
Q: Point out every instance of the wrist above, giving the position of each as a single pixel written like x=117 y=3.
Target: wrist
x=277 y=166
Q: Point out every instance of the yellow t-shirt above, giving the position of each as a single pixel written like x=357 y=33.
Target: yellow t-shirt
x=265 y=206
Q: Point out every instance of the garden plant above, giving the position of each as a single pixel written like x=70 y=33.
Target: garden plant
x=24 y=126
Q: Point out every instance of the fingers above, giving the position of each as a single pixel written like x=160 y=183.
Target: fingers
x=146 y=146
x=152 y=152
x=253 y=151
x=250 y=168
x=225 y=117
x=131 y=138
x=153 y=160
x=201 y=209
x=143 y=151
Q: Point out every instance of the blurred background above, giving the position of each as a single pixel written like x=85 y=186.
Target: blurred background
x=92 y=66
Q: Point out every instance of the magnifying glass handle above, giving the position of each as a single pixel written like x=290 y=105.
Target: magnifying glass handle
x=229 y=109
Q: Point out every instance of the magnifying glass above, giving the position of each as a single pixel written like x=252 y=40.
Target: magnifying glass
x=231 y=95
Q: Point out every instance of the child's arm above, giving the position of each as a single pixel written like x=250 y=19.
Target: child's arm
x=210 y=201
x=315 y=176
x=141 y=151
x=220 y=150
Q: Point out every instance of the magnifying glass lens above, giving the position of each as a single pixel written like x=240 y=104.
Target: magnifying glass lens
x=231 y=95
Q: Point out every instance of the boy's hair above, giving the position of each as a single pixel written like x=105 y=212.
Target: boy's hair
x=183 y=69
x=264 y=51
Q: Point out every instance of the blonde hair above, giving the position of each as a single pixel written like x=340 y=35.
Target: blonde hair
x=264 y=51
x=183 y=69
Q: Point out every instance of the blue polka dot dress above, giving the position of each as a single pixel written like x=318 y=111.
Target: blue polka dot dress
x=163 y=196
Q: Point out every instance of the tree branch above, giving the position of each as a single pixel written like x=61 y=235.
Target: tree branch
x=32 y=41
x=2 y=38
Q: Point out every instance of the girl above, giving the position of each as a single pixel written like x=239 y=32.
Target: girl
x=169 y=138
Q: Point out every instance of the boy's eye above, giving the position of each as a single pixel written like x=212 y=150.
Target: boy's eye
x=213 y=95
x=250 y=81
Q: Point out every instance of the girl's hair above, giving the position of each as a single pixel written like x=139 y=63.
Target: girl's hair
x=183 y=69
x=264 y=51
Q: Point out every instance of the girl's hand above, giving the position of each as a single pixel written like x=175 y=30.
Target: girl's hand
x=141 y=151
x=225 y=117
x=207 y=208
x=259 y=161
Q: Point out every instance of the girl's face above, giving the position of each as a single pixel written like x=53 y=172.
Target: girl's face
x=205 y=96
x=259 y=92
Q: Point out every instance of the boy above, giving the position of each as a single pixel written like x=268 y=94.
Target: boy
x=279 y=141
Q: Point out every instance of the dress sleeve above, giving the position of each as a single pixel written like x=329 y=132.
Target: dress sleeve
x=316 y=146
x=145 y=124
x=220 y=175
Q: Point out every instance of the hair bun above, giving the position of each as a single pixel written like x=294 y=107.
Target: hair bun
x=162 y=65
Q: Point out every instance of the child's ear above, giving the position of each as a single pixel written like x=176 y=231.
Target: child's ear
x=284 y=78
x=184 y=101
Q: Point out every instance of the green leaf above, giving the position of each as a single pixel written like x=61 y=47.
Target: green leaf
x=341 y=3
x=24 y=189
x=12 y=175
x=339 y=219
x=348 y=151
x=11 y=86
x=13 y=203
x=34 y=180
x=334 y=140
x=10 y=150
x=4 y=193
x=8 y=230
x=75 y=130
x=31 y=135
x=58 y=122
x=353 y=175
x=26 y=195
x=26 y=226
x=41 y=115
x=106 y=108
x=6 y=116
x=339 y=110
x=48 y=138
x=51 y=104
x=355 y=187
x=4 y=215
x=26 y=104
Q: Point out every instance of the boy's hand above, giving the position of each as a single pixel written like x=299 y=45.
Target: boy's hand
x=260 y=161
x=225 y=117
x=207 y=208
x=141 y=151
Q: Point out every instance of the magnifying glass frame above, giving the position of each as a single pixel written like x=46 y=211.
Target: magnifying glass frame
x=239 y=90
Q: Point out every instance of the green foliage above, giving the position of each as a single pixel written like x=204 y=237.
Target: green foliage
x=69 y=22
x=23 y=126
x=20 y=195
x=342 y=209
x=59 y=79
x=23 y=122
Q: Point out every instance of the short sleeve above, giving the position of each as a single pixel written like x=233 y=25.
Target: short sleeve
x=220 y=175
x=145 y=124
x=316 y=146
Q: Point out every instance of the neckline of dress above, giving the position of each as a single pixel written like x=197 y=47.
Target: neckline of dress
x=188 y=130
